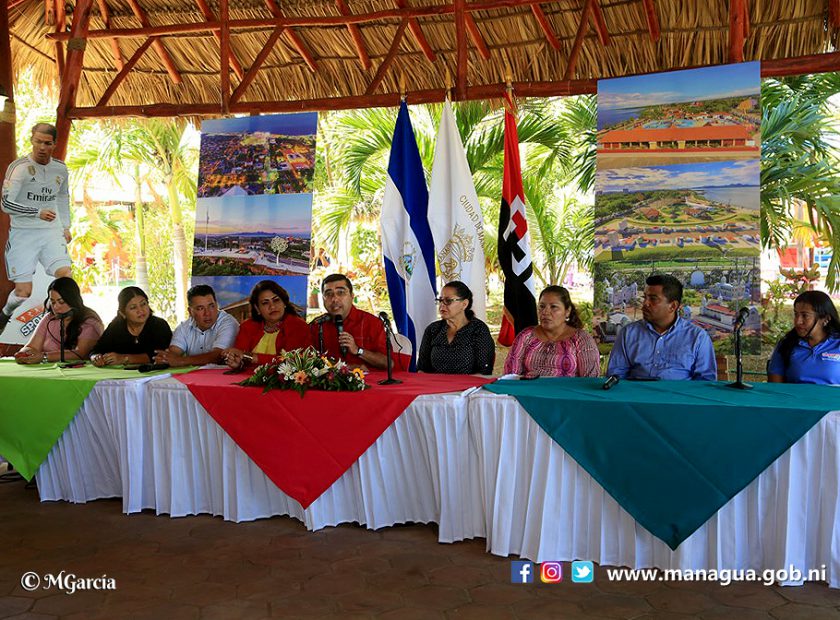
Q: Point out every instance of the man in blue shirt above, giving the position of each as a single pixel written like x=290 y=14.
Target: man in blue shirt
x=663 y=345
x=200 y=339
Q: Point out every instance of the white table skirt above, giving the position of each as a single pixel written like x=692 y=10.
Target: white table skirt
x=155 y=445
x=541 y=505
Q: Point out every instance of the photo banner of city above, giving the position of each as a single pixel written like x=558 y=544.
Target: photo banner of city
x=677 y=191
x=254 y=211
x=257 y=155
x=705 y=114
x=682 y=210
x=253 y=235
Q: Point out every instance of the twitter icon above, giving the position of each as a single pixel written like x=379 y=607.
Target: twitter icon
x=582 y=571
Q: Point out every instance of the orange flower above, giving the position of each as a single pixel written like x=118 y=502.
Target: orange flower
x=300 y=377
x=359 y=373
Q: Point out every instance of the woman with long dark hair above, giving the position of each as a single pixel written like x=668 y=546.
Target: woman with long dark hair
x=558 y=346
x=460 y=343
x=82 y=327
x=135 y=333
x=274 y=326
x=810 y=352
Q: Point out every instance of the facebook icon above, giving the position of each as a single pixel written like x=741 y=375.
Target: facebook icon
x=521 y=572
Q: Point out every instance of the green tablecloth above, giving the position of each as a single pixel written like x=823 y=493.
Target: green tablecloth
x=672 y=453
x=38 y=402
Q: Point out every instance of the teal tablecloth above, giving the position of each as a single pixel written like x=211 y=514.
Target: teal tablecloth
x=37 y=403
x=672 y=453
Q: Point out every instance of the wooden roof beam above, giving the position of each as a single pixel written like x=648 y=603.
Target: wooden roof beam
x=124 y=71
x=60 y=24
x=207 y=12
x=417 y=33
x=158 y=45
x=600 y=24
x=746 y=20
x=389 y=58
x=475 y=35
x=293 y=37
x=583 y=28
x=14 y=4
x=105 y=14
x=73 y=71
x=833 y=13
x=355 y=35
x=652 y=20
x=737 y=11
x=548 y=31
x=258 y=62
x=224 y=57
x=461 y=56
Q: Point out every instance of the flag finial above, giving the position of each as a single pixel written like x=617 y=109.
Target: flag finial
x=448 y=83
x=402 y=86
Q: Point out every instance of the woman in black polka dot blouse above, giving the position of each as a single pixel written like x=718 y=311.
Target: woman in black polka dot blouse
x=459 y=343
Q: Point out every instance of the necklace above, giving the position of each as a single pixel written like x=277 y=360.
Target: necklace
x=270 y=329
x=132 y=330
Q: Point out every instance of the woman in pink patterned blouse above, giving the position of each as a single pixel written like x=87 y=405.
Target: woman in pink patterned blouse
x=558 y=346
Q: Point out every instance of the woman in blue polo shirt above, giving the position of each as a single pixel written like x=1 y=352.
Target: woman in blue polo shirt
x=810 y=352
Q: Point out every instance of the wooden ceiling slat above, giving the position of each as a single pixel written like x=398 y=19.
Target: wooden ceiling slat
x=583 y=28
x=389 y=58
x=355 y=36
x=124 y=71
x=652 y=20
x=548 y=31
x=292 y=36
x=600 y=24
x=116 y=52
x=258 y=61
x=737 y=11
x=207 y=12
x=159 y=47
x=417 y=32
x=475 y=35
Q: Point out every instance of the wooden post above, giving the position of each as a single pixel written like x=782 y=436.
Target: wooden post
x=7 y=145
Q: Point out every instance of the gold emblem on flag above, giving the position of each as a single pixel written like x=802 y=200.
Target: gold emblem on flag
x=457 y=251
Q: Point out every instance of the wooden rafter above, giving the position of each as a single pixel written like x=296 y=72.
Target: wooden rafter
x=15 y=3
x=475 y=35
x=292 y=22
x=224 y=56
x=292 y=36
x=746 y=19
x=652 y=20
x=600 y=24
x=49 y=12
x=417 y=33
x=355 y=36
x=258 y=62
x=816 y=63
x=583 y=28
x=207 y=12
x=158 y=45
x=105 y=14
x=548 y=31
x=461 y=57
x=60 y=24
x=389 y=58
x=72 y=73
x=833 y=13
x=124 y=71
x=737 y=12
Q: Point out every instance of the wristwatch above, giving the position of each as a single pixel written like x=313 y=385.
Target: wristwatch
x=360 y=352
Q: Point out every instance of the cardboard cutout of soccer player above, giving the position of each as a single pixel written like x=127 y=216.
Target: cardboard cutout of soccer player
x=36 y=198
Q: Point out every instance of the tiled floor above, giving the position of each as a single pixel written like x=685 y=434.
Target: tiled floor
x=203 y=567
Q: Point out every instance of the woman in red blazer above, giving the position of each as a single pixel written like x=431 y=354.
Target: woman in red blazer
x=274 y=326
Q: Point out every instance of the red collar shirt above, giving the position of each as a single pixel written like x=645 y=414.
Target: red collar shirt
x=366 y=329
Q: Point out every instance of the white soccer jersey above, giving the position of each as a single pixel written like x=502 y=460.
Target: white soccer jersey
x=30 y=187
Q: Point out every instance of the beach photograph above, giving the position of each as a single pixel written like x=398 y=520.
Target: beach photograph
x=256 y=235
x=257 y=155
x=696 y=115
x=701 y=210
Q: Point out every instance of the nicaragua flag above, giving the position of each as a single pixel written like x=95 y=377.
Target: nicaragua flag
x=455 y=215
x=407 y=246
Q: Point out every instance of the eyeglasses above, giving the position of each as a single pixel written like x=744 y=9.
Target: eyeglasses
x=339 y=292
x=447 y=301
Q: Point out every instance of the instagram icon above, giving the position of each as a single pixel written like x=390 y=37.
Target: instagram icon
x=551 y=572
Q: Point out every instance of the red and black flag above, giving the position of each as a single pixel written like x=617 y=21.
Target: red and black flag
x=514 y=242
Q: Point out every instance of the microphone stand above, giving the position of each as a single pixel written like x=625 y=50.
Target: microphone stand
x=389 y=362
x=739 y=366
x=61 y=339
x=321 y=337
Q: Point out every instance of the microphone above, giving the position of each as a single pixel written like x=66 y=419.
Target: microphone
x=743 y=314
x=151 y=367
x=64 y=315
x=339 y=327
x=383 y=316
x=611 y=381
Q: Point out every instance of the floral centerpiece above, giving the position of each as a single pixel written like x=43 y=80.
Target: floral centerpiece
x=306 y=369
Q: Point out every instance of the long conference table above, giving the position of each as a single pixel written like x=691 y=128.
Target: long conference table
x=475 y=463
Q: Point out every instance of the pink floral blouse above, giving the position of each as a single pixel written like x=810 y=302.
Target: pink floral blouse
x=574 y=357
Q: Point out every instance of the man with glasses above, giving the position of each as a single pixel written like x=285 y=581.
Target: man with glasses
x=362 y=337
x=200 y=339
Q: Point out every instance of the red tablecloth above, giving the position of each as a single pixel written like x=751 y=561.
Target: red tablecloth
x=306 y=444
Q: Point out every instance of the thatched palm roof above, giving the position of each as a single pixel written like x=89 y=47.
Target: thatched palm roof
x=320 y=64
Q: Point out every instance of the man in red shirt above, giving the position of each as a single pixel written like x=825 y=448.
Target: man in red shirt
x=363 y=335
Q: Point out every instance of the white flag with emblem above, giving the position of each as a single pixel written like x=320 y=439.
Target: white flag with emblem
x=455 y=215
